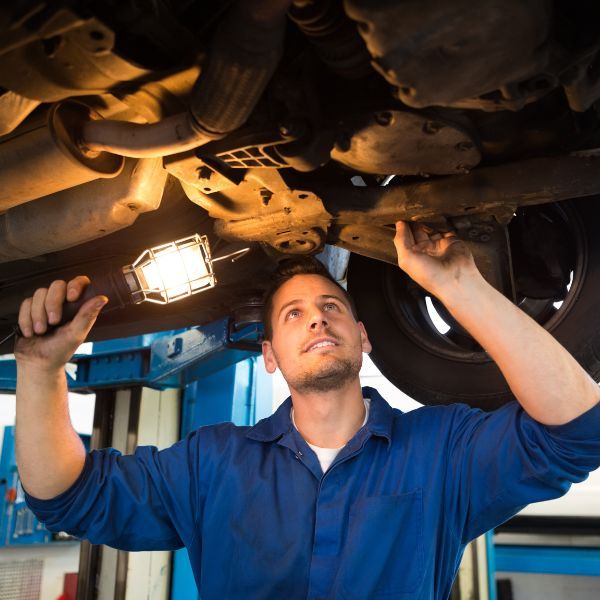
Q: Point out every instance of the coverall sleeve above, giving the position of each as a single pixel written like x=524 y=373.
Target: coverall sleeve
x=145 y=501
x=503 y=460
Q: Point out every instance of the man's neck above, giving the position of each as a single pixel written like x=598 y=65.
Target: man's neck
x=329 y=419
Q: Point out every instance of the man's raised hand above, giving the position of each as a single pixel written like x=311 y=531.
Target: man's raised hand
x=436 y=261
x=43 y=310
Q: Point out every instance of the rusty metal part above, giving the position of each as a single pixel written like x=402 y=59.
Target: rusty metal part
x=310 y=151
x=290 y=144
x=66 y=55
x=250 y=147
x=245 y=51
x=492 y=190
x=582 y=82
x=169 y=136
x=261 y=193
x=366 y=240
x=264 y=208
x=243 y=56
x=333 y=35
x=199 y=181
x=155 y=100
x=406 y=143
x=512 y=96
x=297 y=228
x=299 y=242
x=228 y=209
x=491 y=251
x=42 y=160
x=490 y=245
x=82 y=213
x=453 y=51
x=14 y=109
x=290 y=234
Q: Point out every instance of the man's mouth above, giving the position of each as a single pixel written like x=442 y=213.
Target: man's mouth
x=320 y=343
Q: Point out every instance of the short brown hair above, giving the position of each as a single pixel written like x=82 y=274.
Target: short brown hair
x=288 y=268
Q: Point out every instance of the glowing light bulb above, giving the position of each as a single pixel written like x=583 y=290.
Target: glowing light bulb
x=172 y=271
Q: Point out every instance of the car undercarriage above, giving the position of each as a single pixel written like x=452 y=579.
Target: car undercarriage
x=291 y=127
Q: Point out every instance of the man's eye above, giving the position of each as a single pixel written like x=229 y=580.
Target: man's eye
x=293 y=314
x=330 y=306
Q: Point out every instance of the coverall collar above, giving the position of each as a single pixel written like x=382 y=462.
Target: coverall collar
x=380 y=420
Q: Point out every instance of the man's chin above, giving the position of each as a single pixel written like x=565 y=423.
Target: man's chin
x=328 y=376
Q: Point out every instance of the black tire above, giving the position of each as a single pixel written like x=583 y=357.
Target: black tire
x=436 y=368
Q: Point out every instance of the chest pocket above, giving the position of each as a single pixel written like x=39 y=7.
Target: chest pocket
x=383 y=553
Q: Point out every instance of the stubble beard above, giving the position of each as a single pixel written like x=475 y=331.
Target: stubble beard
x=326 y=377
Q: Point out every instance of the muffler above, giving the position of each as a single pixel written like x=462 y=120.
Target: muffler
x=47 y=158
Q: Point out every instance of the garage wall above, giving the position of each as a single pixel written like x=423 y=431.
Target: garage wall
x=56 y=561
x=533 y=586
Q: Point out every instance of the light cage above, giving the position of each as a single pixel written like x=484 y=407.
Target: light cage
x=173 y=271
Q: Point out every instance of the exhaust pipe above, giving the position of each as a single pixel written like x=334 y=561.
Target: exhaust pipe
x=82 y=213
x=47 y=159
x=243 y=56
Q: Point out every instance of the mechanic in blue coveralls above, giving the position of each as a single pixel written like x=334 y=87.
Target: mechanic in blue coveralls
x=336 y=495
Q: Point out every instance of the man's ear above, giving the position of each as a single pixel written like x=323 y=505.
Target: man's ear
x=364 y=338
x=269 y=357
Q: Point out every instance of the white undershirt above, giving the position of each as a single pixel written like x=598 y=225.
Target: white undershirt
x=327 y=455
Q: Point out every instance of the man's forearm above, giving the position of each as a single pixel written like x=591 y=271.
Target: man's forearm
x=50 y=454
x=548 y=382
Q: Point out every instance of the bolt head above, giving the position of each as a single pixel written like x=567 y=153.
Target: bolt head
x=343 y=142
x=464 y=146
x=407 y=91
x=432 y=127
x=204 y=172
x=384 y=118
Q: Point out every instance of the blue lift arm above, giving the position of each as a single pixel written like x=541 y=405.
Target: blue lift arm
x=169 y=359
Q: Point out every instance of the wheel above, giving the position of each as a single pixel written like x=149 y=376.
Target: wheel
x=419 y=347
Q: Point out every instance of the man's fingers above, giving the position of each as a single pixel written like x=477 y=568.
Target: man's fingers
x=414 y=238
x=76 y=286
x=404 y=239
x=25 y=321
x=424 y=247
x=454 y=246
x=86 y=316
x=46 y=305
x=421 y=232
x=55 y=299
x=38 y=311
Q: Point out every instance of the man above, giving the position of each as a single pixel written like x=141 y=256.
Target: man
x=336 y=495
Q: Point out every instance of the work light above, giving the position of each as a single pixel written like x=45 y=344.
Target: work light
x=162 y=274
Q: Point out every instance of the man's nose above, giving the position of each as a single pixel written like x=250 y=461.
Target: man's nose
x=317 y=320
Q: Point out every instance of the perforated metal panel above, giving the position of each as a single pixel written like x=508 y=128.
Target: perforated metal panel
x=21 y=580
